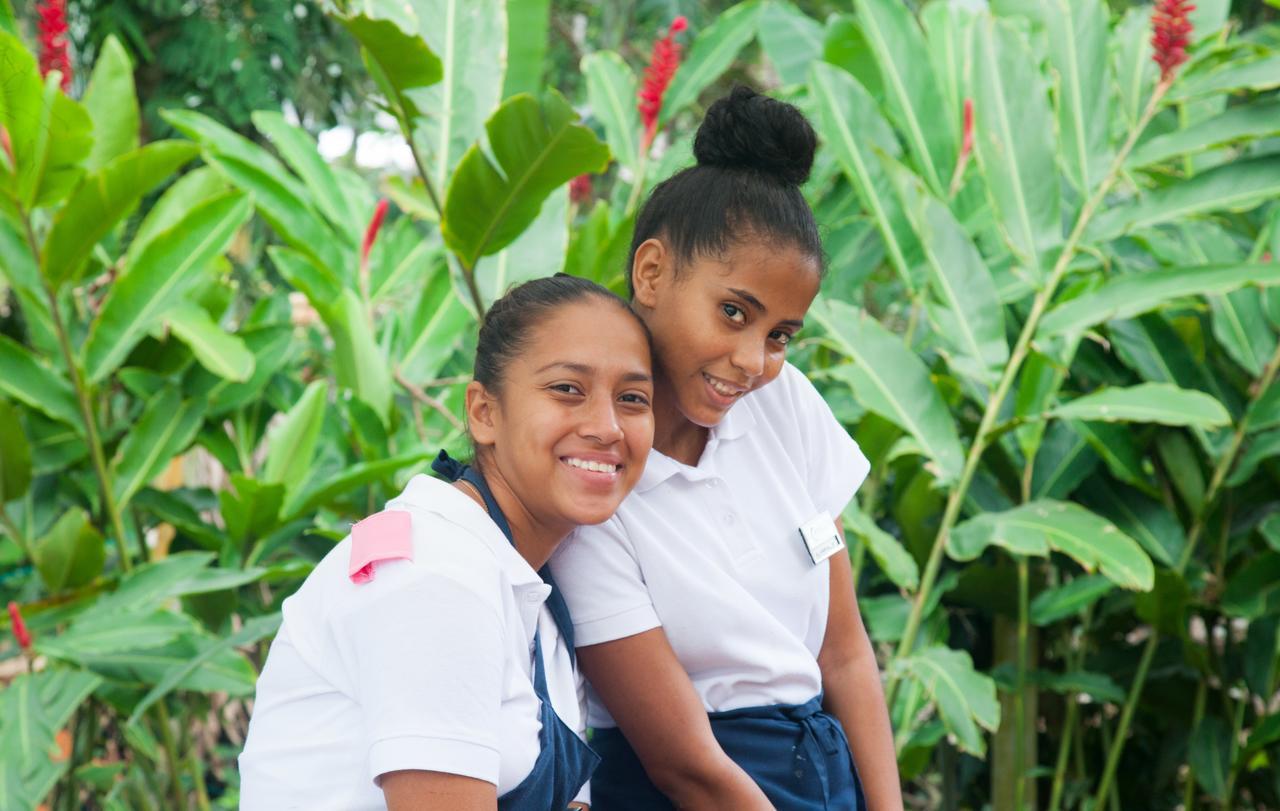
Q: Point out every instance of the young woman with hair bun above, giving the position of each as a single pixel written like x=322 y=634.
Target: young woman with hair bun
x=426 y=662
x=715 y=613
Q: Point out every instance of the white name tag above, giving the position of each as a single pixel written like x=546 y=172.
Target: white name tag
x=820 y=537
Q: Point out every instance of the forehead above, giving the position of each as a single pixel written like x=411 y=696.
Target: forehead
x=781 y=276
x=596 y=332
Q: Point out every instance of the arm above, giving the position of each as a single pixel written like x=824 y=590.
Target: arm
x=853 y=693
x=413 y=790
x=650 y=696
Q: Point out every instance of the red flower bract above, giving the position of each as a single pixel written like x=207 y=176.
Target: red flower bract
x=20 y=631
x=966 y=144
x=580 y=189
x=371 y=233
x=51 y=29
x=1171 y=31
x=662 y=66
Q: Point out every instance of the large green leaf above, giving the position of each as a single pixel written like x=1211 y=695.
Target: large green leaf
x=611 y=91
x=34 y=708
x=299 y=151
x=50 y=134
x=158 y=279
x=1065 y=459
x=1240 y=325
x=351 y=477
x=1209 y=755
x=92 y=634
x=970 y=320
x=947 y=28
x=889 y=379
x=102 y=200
x=166 y=428
x=187 y=192
x=19 y=269
x=1069 y=599
x=398 y=60
x=147 y=587
x=1264 y=413
x=358 y=361
x=711 y=54
x=536 y=253
x=434 y=328
x=71 y=553
x=292 y=443
x=1134 y=69
x=537 y=146
x=1243 y=122
x=912 y=96
x=1038 y=527
x=1233 y=186
x=966 y=699
x=1077 y=40
x=470 y=37
x=887 y=551
x=250 y=508
x=1136 y=293
x=218 y=351
x=1146 y=402
x=791 y=39
x=15 y=455
x=1262 y=447
x=29 y=380
x=1254 y=590
x=112 y=104
x=1262 y=73
x=1151 y=523
x=851 y=125
x=528 y=22
x=1014 y=139
x=252 y=631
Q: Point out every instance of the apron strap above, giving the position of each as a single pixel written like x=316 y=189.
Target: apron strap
x=453 y=470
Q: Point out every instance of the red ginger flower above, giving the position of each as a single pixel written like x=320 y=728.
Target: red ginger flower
x=371 y=233
x=966 y=145
x=51 y=28
x=662 y=66
x=580 y=189
x=1171 y=30
x=20 y=631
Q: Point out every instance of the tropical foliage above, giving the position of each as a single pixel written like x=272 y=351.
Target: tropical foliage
x=1050 y=320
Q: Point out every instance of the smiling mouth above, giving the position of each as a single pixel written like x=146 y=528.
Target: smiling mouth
x=587 y=464
x=725 y=390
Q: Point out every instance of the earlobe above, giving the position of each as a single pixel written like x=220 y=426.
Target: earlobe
x=648 y=271
x=481 y=410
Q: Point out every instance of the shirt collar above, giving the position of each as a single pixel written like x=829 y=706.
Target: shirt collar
x=433 y=495
x=659 y=467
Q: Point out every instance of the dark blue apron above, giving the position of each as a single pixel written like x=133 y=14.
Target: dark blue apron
x=565 y=763
x=796 y=753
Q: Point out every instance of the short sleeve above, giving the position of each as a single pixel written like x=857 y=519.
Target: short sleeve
x=597 y=570
x=425 y=654
x=834 y=464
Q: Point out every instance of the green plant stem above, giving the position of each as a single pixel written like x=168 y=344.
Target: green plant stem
x=1220 y=472
x=955 y=499
x=1237 y=723
x=197 y=776
x=1075 y=659
x=86 y=410
x=1019 y=695
x=171 y=755
x=637 y=186
x=1197 y=714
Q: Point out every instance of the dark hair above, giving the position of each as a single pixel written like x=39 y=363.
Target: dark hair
x=508 y=323
x=753 y=153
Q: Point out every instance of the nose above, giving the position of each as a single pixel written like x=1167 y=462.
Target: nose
x=600 y=421
x=748 y=357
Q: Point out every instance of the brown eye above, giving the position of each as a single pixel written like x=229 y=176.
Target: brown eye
x=733 y=312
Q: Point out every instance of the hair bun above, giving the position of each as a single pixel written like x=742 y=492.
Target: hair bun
x=747 y=130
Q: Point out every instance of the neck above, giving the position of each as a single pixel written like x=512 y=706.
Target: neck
x=535 y=540
x=673 y=434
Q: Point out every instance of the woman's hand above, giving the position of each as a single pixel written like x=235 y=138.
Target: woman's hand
x=648 y=693
x=852 y=691
x=416 y=790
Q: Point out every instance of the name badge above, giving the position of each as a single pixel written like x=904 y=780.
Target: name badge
x=820 y=537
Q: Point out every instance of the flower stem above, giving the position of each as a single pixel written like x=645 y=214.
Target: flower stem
x=86 y=410
x=955 y=500
x=1020 y=688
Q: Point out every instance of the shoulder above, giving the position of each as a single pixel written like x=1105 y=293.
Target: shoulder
x=788 y=403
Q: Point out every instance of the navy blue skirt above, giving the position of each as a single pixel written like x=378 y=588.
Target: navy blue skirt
x=797 y=754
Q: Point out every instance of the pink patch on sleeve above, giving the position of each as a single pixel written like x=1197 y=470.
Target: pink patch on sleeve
x=383 y=536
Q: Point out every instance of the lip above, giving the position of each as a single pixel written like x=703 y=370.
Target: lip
x=595 y=478
x=720 y=400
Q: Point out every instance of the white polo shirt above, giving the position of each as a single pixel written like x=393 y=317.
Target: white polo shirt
x=713 y=554
x=427 y=666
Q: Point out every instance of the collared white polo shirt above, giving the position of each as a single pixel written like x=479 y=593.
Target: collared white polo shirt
x=713 y=554
x=427 y=666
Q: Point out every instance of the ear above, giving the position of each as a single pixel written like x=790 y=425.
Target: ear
x=482 y=414
x=651 y=268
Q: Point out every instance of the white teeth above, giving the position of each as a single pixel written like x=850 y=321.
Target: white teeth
x=599 y=467
x=722 y=389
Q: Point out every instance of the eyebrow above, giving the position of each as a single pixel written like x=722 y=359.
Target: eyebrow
x=584 y=369
x=759 y=305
